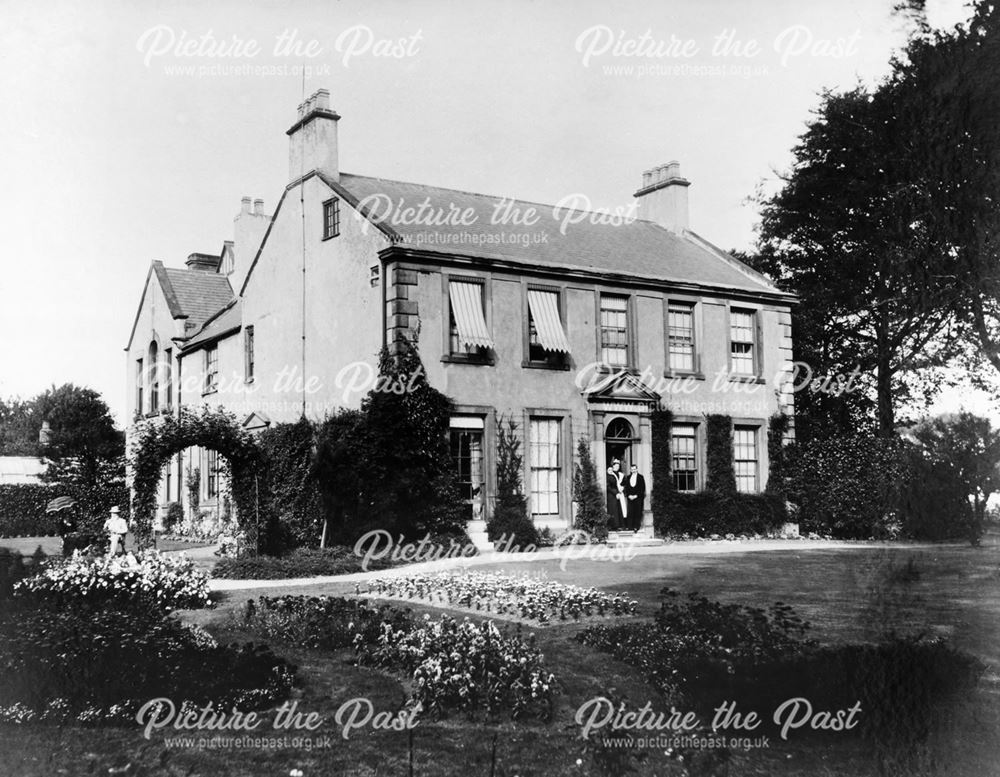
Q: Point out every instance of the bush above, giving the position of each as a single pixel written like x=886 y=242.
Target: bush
x=706 y=513
x=697 y=649
x=389 y=466
x=291 y=507
x=302 y=562
x=466 y=666
x=875 y=487
x=510 y=521
x=848 y=487
x=97 y=665
x=22 y=510
x=933 y=503
x=13 y=569
x=694 y=640
x=592 y=510
x=135 y=583
x=174 y=517
x=81 y=540
x=319 y=621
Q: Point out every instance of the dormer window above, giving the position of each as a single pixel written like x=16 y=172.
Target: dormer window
x=331 y=218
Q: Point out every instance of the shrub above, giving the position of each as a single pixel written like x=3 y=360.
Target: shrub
x=933 y=502
x=291 y=507
x=13 y=569
x=81 y=540
x=146 y=581
x=389 y=466
x=848 y=487
x=777 y=428
x=302 y=562
x=694 y=640
x=466 y=666
x=96 y=665
x=22 y=510
x=510 y=520
x=697 y=649
x=592 y=511
x=706 y=513
x=174 y=517
x=319 y=621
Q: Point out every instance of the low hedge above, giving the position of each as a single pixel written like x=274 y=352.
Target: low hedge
x=303 y=562
x=706 y=513
x=22 y=510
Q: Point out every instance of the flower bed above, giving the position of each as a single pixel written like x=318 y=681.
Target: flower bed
x=518 y=597
x=465 y=666
x=92 y=666
x=318 y=621
x=145 y=580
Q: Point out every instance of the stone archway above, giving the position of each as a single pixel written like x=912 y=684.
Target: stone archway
x=156 y=440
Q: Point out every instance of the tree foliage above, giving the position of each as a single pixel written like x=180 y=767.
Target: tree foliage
x=389 y=467
x=510 y=520
x=591 y=508
x=969 y=447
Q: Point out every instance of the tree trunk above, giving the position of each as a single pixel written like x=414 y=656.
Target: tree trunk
x=883 y=361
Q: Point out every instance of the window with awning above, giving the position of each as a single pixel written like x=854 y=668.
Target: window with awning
x=468 y=321
x=545 y=327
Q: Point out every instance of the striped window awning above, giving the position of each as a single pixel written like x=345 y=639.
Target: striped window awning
x=544 y=307
x=467 y=308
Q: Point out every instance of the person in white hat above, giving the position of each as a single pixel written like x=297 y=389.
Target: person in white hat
x=116 y=527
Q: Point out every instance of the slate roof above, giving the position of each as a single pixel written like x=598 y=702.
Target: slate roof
x=224 y=322
x=199 y=294
x=641 y=249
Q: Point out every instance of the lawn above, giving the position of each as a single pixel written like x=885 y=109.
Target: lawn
x=848 y=594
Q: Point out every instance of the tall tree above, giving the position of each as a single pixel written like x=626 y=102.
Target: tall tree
x=844 y=233
x=946 y=84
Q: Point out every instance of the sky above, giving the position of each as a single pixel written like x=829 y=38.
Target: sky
x=131 y=130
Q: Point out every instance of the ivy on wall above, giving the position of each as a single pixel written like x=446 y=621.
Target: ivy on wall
x=720 y=476
x=156 y=440
x=661 y=422
x=777 y=427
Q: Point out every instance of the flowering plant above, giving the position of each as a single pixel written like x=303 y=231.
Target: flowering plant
x=148 y=579
x=511 y=596
x=465 y=666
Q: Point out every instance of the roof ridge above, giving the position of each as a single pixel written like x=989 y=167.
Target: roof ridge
x=483 y=194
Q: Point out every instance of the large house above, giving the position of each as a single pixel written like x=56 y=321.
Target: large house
x=571 y=323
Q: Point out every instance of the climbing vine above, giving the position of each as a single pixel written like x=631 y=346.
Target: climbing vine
x=156 y=440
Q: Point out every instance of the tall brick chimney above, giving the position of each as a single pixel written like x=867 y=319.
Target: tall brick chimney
x=312 y=140
x=663 y=197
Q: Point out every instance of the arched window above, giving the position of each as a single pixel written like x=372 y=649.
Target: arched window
x=619 y=429
x=154 y=376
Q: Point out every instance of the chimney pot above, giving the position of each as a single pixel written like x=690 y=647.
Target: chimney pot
x=313 y=139
x=664 y=198
x=245 y=205
x=258 y=207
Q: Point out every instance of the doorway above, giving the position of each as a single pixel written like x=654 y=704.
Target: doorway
x=618 y=439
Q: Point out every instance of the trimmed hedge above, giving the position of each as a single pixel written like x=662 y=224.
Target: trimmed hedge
x=22 y=510
x=706 y=513
x=303 y=562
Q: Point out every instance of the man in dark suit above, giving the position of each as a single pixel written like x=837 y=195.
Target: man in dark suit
x=635 y=496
